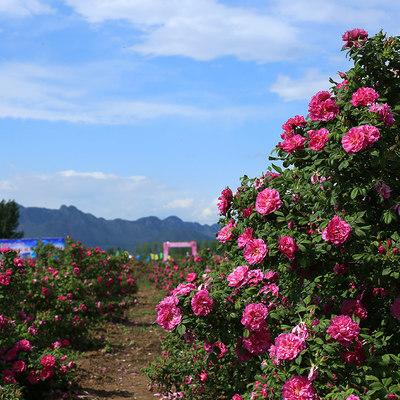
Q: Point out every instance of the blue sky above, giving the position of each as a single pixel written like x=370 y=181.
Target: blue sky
x=132 y=108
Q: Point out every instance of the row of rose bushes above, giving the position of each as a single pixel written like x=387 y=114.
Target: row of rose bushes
x=48 y=305
x=193 y=269
x=308 y=305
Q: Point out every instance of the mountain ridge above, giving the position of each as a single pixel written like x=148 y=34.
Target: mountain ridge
x=39 y=222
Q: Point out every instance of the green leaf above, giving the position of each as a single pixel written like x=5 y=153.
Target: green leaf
x=354 y=193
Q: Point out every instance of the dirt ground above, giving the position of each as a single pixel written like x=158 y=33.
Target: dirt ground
x=114 y=370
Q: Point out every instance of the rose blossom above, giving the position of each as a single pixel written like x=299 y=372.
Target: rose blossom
x=301 y=331
x=48 y=361
x=337 y=231
x=257 y=342
x=202 y=303
x=237 y=397
x=384 y=112
x=343 y=329
x=183 y=289
x=395 y=308
x=191 y=276
x=169 y=315
x=383 y=189
x=225 y=201
x=364 y=97
x=19 y=366
x=288 y=346
x=350 y=307
x=255 y=276
x=287 y=246
x=292 y=143
x=357 y=138
x=226 y=233
x=354 y=38
x=322 y=107
x=291 y=124
x=254 y=316
x=353 y=397
x=318 y=139
x=268 y=201
x=33 y=377
x=255 y=251
x=238 y=277
x=245 y=237
x=298 y=388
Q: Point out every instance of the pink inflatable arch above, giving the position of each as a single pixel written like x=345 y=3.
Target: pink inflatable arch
x=167 y=245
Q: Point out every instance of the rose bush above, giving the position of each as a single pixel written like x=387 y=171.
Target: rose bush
x=47 y=307
x=318 y=316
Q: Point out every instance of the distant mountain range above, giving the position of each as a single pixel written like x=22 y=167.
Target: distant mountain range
x=38 y=223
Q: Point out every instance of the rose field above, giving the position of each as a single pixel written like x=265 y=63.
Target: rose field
x=302 y=301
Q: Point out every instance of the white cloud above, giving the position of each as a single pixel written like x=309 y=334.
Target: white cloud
x=24 y=8
x=73 y=94
x=200 y=29
x=108 y=196
x=180 y=203
x=302 y=88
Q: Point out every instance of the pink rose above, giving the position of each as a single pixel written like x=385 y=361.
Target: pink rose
x=288 y=346
x=225 y=201
x=385 y=114
x=291 y=124
x=337 y=231
x=292 y=143
x=287 y=246
x=202 y=303
x=183 y=289
x=364 y=97
x=254 y=316
x=343 y=329
x=354 y=38
x=301 y=331
x=245 y=237
x=353 y=397
x=298 y=388
x=191 y=276
x=322 y=107
x=226 y=233
x=354 y=141
x=48 y=361
x=257 y=342
x=169 y=315
x=238 y=277
x=383 y=189
x=268 y=201
x=354 y=307
x=318 y=139
x=19 y=366
x=255 y=251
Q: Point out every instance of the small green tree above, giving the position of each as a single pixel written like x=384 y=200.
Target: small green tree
x=9 y=216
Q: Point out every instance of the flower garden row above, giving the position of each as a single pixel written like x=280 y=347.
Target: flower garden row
x=48 y=305
x=305 y=305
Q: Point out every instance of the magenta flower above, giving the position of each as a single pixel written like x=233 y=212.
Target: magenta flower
x=257 y=342
x=288 y=346
x=337 y=231
x=354 y=38
x=383 y=189
x=343 y=329
x=292 y=143
x=225 y=201
x=255 y=251
x=239 y=276
x=291 y=124
x=169 y=315
x=245 y=237
x=202 y=303
x=357 y=138
x=48 y=361
x=298 y=388
x=226 y=233
x=254 y=316
x=322 y=107
x=354 y=307
x=268 y=201
x=287 y=246
x=385 y=114
x=183 y=289
x=364 y=97
x=318 y=139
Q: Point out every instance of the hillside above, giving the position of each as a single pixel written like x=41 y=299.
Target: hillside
x=38 y=222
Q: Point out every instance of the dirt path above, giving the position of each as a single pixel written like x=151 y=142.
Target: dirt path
x=113 y=372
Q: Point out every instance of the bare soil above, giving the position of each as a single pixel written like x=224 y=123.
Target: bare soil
x=114 y=371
